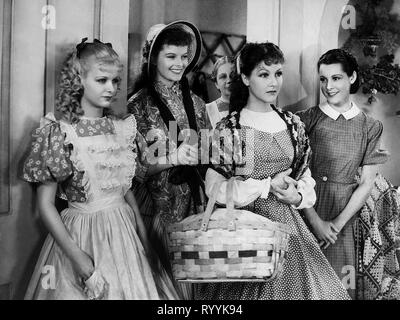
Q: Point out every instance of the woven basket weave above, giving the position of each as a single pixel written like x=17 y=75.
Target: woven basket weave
x=227 y=245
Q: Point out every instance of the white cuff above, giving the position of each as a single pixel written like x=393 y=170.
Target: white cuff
x=301 y=205
x=266 y=188
x=305 y=187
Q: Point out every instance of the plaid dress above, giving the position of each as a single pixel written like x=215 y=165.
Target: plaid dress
x=339 y=148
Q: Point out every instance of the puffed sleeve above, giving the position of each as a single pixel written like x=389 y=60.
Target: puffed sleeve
x=49 y=158
x=305 y=116
x=309 y=117
x=244 y=191
x=373 y=153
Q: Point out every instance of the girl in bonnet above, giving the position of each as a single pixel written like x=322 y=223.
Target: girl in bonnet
x=168 y=181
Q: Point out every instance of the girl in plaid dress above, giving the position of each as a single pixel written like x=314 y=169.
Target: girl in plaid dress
x=343 y=139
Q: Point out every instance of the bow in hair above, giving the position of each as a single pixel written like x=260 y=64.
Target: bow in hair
x=80 y=46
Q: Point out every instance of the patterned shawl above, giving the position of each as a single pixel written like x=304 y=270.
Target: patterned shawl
x=227 y=149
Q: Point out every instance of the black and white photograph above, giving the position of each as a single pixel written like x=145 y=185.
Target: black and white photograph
x=200 y=153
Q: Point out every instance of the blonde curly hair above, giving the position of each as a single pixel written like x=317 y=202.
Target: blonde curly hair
x=70 y=93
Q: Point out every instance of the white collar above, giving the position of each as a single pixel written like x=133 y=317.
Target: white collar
x=269 y=122
x=332 y=113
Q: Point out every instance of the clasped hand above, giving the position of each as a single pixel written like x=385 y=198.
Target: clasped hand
x=326 y=231
x=185 y=154
x=285 y=188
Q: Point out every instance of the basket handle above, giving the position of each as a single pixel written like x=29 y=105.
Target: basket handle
x=213 y=200
x=229 y=196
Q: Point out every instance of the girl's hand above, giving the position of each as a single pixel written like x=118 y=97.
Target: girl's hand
x=278 y=180
x=325 y=231
x=290 y=195
x=339 y=224
x=83 y=265
x=186 y=154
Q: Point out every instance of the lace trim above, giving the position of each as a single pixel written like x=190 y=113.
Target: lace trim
x=110 y=184
x=110 y=164
x=130 y=130
x=101 y=148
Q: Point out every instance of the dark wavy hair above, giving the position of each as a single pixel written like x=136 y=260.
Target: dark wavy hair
x=171 y=36
x=247 y=60
x=70 y=92
x=346 y=60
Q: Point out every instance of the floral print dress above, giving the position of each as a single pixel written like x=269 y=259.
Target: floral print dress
x=93 y=161
x=161 y=201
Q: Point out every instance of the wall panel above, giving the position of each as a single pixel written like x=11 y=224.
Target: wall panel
x=5 y=56
x=34 y=53
x=114 y=29
x=20 y=231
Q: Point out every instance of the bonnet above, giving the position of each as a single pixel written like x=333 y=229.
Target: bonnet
x=194 y=50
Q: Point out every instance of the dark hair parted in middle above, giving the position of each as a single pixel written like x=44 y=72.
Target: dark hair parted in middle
x=346 y=60
x=251 y=55
x=177 y=35
x=172 y=36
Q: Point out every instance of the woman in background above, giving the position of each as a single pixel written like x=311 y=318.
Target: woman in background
x=222 y=77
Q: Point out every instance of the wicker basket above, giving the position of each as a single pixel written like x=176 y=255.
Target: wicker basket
x=227 y=245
